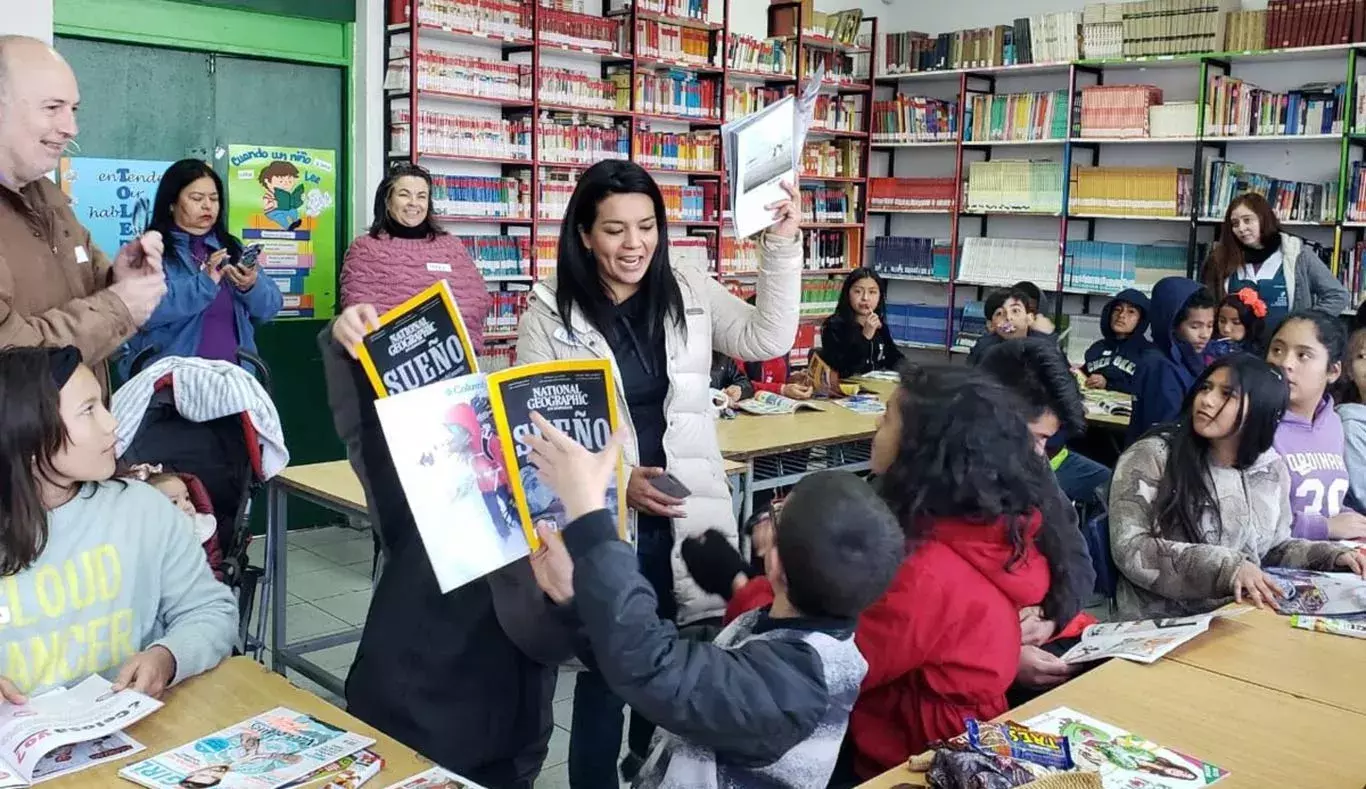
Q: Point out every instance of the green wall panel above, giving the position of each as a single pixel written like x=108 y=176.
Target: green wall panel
x=329 y=10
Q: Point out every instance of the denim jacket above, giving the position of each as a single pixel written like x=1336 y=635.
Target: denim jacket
x=176 y=325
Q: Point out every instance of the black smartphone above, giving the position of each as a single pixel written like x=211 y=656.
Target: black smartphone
x=669 y=485
x=249 y=255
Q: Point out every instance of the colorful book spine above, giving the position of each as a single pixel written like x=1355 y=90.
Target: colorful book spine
x=504 y=18
x=833 y=158
x=576 y=138
x=911 y=194
x=1015 y=117
x=914 y=119
x=697 y=151
x=1117 y=111
x=1130 y=191
x=775 y=56
x=676 y=92
x=481 y=196
x=673 y=42
x=500 y=256
x=448 y=134
x=1015 y=186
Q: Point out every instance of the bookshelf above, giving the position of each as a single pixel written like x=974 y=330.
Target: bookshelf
x=507 y=101
x=1067 y=245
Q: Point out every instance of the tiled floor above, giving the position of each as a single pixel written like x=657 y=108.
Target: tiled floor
x=329 y=592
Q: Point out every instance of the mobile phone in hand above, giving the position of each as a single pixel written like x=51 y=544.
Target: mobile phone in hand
x=249 y=255
x=669 y=485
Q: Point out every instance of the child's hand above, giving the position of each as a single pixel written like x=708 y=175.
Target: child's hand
x=578 y=477
x=714 y=563
x=733 y=394
x=149 y=671
x=10 y=692
x=1039 y=669
x=1351 y=561
x=1347 y=525
x=1250 y=581
x=1095 y=381
x=551 y=565
x=797 y=391
x=1034 y=629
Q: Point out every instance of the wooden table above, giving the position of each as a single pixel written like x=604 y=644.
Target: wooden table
x=1260 y=647
x=231 y=693
x=1097 y=417
x=1265 y=738
x=333 y=486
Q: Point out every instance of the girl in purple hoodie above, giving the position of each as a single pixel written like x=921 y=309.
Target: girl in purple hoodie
x=1308 y=347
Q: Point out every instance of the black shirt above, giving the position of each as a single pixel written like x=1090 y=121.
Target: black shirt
x=644 y=375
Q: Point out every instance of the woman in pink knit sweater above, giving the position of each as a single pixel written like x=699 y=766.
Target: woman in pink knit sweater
x=403 y=253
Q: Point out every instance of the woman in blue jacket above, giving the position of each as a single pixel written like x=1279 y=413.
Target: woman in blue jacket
x=212 y=298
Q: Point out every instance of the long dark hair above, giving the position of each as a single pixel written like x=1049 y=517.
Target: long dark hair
x=1187 y=490
x=1227 y=256
x=31 y=432
x=966 y=452
x=1346 y=390
x=844 y=310
x=578 y=280
x=383 y=223
x=173 y=182
x=1254 y=327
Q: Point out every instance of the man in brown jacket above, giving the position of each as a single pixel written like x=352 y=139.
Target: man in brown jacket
x=56 y=287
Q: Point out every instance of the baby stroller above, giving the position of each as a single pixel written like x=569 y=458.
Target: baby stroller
x=223 y=454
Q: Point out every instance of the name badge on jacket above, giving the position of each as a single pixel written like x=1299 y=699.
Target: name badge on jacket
x=443 y=268
x=81 y=255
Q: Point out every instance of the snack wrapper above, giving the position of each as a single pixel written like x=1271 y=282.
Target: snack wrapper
x=1019 y=742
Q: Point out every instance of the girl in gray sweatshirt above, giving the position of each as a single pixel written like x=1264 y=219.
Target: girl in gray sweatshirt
x=97 y=576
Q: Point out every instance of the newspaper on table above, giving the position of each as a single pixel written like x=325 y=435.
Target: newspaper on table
x=761 y=151
x=1124 y=760
x=68 y=730
x=767 y=403
x=1144 y=641
x=269 y=751
x=435 y=778
x=1319 y=594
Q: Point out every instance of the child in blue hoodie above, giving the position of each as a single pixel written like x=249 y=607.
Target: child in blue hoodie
x=1112 y=360
x=1182 y=322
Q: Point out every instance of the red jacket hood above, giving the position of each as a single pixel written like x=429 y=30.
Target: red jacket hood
x=988 y=549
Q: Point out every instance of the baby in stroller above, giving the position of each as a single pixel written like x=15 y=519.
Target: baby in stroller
x=188 y=494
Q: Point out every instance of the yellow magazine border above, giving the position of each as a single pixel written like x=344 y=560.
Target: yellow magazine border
x=509 y=444
x=439 y=288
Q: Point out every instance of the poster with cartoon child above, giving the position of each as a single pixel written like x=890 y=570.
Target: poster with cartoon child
x=285 y=199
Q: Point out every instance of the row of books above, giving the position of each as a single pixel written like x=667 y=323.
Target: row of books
x=838 y=26
x=697 y=151
x=1356 y=194
x=833 y=158
x=455 y=135
x=827 y=204
x=819 y=296
x=1014 y=185
x=840 y=67
x=912 y=194
x=689 y=9
x=469 y=76
x=694 y=252
x=1171 y=27
x=744 y=100
x=506 y=311
x=673 y=42
x=1118 y=111
x=1308 y=23
x=1045 y=38
x=500 y=256
x=691 y=203
x=1130 y=191
x=579 y=89
x=547 y=250
x=495 y=358
x=506 y=18
x=1234 y=107
x=1292 y=201
x=838 y=113
x=1016 y=116
x=738 y=255
x=677 y=92
x=906 y=118
x=1110 y=266
x=569 y=138
x=911 y=256
x=1245 y=31
x=584 y=31
x=481 y=196
x=761 y=55
x=920 y=324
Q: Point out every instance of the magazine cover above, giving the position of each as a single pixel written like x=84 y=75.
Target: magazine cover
x=1124 y=760
x=264 y=752
x=578 y=397
x=869 y=404
x=62 y=731
x=419 y=342
x=348 y=772
x=450 y=462
x=767 y=403
x=1321 y=594
x=436 y=778
x=1144 y=641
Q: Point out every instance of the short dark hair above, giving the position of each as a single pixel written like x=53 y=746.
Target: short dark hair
x=1035 y=370
x=839 y=544
x=998 y=298
x=383 y=223
x=1200 y=299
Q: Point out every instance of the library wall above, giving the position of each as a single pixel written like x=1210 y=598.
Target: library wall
x=750 y=17
x=26 y=18
x=937 y=17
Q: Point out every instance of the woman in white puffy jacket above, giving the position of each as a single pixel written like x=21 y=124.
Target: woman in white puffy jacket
x=617 y=297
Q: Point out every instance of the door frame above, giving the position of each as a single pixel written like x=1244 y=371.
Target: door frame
x=237 y=32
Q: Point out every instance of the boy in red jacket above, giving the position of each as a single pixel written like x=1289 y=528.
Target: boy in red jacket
x=958 y=468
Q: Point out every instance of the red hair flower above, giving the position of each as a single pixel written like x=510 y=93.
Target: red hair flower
x=1253 y=300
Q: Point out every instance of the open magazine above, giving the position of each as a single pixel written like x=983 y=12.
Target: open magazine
x=762 y=150
x=1144 y=641
x=269 y=751
x=68 y=730
x=1320 y=594
x=1124 y=760
x=768 y=403
x=421 y=341
x=460 y=452
x=348 y=772
x=435 y=778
